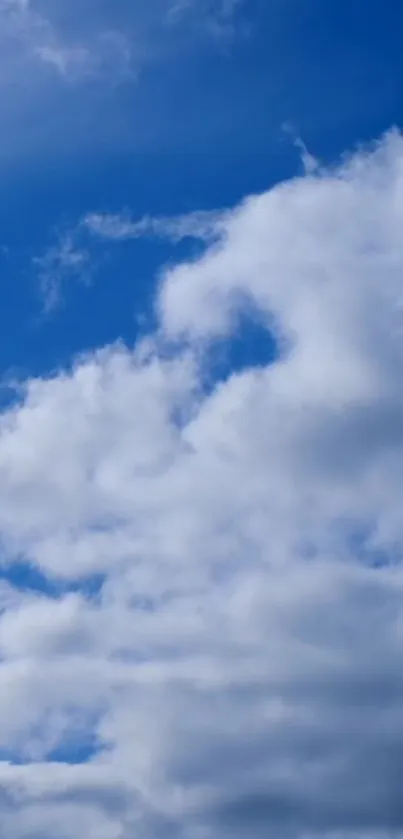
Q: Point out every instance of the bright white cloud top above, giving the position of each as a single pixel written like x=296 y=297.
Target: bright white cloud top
x=240 y=671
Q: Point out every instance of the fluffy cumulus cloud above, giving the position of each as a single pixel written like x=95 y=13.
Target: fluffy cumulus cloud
x=235 y=671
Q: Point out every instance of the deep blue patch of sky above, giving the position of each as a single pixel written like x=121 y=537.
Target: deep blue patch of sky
x=25 y=576
x=195 y=133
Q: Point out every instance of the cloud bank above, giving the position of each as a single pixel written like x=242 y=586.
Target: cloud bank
x=236 y=669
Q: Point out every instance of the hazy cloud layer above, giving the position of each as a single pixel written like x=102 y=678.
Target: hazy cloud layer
x=90 y=38
x=69 y=68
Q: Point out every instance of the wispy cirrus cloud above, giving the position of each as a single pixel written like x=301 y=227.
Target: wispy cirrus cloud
x=30 y=28
x=73 y=257
x=205 y=226
x=62 y=60
x=61 y=263
x=219 y=17
x=79 y=40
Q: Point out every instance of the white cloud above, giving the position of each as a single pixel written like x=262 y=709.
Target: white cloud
x=242 y=666
x=54 y=56
x=71 y=258
x=31 y=28
x=62 y=61
x=205 y=225
x=63 y=262
x=218 y=16
x=80 y=40
x=308 y=160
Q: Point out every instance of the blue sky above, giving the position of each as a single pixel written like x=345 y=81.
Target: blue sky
x=199 y=125
x=201 y=419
